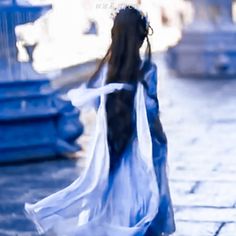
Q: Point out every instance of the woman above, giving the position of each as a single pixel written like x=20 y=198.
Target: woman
x=124 y=189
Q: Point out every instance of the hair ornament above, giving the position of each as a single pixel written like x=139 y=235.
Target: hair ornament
x=122 y=7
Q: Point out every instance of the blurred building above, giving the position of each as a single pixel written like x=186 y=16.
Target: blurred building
x=207 y=47
x=61 y=39
x=34 y=121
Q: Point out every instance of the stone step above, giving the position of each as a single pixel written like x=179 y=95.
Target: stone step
x=196 y=229
x=201 y=214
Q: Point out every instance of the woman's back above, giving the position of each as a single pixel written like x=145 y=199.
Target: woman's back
x=121 y=120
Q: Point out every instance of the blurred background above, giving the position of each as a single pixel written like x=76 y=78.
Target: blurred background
x=48 y=47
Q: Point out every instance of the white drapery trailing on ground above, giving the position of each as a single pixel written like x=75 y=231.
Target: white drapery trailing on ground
x=98 y=203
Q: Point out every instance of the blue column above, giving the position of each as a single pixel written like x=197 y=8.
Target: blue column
x=35 y=122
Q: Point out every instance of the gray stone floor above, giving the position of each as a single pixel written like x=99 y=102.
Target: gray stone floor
x=29 y=183
x=199 y=117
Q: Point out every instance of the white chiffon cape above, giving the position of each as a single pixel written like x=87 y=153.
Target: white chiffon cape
x=97 y=203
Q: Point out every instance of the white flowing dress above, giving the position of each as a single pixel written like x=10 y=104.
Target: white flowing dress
x=97 y=203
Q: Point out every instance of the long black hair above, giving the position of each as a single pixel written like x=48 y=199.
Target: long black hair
x=123 y=57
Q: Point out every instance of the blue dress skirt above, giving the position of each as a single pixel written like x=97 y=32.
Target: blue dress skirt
x=135 y=199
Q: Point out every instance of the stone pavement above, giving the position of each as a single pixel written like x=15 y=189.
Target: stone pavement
x=199 y=117
x=29 y=183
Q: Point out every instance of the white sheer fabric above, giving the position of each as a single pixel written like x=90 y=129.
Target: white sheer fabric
x=97 y=203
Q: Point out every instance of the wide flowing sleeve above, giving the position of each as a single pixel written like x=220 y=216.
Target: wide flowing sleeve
x=152 y=103
x=163 y=223
x=158 y=135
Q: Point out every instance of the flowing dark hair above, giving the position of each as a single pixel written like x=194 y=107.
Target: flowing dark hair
x=123 y=57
